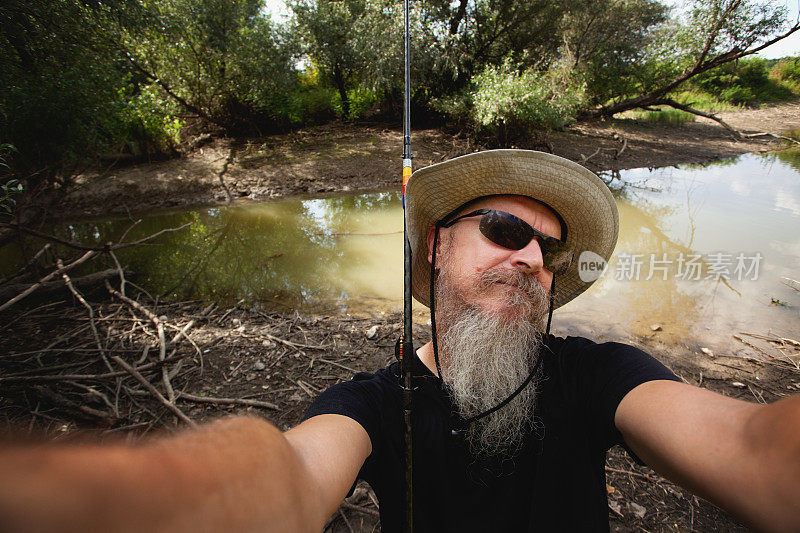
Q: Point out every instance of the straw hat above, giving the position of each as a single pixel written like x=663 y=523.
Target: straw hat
x=577 y=194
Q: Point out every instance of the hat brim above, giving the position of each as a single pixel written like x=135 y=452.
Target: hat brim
x=574 y=192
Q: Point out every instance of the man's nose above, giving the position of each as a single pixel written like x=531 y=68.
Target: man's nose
x=528 y=259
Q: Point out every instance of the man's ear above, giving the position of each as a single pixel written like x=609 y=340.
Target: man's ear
x=431 y=233
x=441 y=244
x=430 y=243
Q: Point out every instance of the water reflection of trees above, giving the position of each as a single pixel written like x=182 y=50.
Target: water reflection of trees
x=289 y=251
x=789 y=157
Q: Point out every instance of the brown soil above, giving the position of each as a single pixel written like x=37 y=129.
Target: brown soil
x=361 y=157
x=286 y=358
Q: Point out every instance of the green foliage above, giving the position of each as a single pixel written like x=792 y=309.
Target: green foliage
x=309 y=105
x=351 y=42
x=146 y=123
x=674 y=117
x=704 y=101
x=224 y=59
x=58 y=80
x=9 y=189
x=505 y=97
x=617 y=44
x=745 y=82
x=788 y=71
x=67 y=95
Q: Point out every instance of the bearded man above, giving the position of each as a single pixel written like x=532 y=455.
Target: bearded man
x=510 y=424
x=513 y=436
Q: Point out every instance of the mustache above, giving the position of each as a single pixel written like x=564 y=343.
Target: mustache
x=527 y=283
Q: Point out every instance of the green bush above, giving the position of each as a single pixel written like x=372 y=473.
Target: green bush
x=787 y=70
x=746 y=82
x=504 y=96
x=146 y=123
x=309 y=105
x=361 y=100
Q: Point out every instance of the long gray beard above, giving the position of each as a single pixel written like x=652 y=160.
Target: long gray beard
x=486 y=356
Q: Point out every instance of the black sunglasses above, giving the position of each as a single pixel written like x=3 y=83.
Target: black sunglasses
x=509 y=231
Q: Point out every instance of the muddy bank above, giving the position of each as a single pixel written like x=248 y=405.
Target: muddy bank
x=336 y=158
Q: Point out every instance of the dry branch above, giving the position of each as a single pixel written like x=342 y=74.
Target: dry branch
x=79 y=246
x=226 y=401
x=82 y=259
x=27 y=267
x=162 y=343
x=90 y=311
x=84 y=377
x=152 y=390
x=49 y=288
x=361 y=509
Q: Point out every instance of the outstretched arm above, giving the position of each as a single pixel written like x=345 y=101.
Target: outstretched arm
x=239 y=474
x=744 y=457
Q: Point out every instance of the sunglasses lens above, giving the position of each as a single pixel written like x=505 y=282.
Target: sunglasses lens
x=513 y=233
x=556 y=256
x=506 y=230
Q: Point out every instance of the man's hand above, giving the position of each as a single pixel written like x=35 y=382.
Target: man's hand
x=744 y=457
x=239 y=474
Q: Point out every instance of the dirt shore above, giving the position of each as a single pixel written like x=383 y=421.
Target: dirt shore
x=342 y=157
x=281 y=360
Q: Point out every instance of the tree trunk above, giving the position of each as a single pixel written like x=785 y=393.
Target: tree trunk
x=338 y=80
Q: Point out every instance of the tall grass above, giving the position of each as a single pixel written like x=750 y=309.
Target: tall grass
x=675 y=117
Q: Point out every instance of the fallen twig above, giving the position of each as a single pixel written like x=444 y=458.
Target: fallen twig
x=152 y=390
x=28 y=266
x=63 y=401
x=88 y=307
x=767 y=134
x=631 y=473
x=793 y=284
x=346 y=521
x=296 y=344
x=82 y=259
x=334 y=363
x=226 y=401
x=162 y=343
x=624 y=146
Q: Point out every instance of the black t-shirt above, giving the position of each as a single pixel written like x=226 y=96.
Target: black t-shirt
x=555 y=483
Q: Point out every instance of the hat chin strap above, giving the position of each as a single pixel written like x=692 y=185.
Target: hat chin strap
x=535 y=369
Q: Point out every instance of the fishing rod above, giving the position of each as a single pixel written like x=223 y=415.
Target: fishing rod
x=406 y=344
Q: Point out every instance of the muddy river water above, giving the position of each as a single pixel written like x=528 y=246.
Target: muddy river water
x=704 y=253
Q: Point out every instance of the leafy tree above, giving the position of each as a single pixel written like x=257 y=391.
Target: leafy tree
x=59 y=82
x=350 y=41
x=460 y=39
x=609 y=40
x=222 y=60
x=715 y=32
